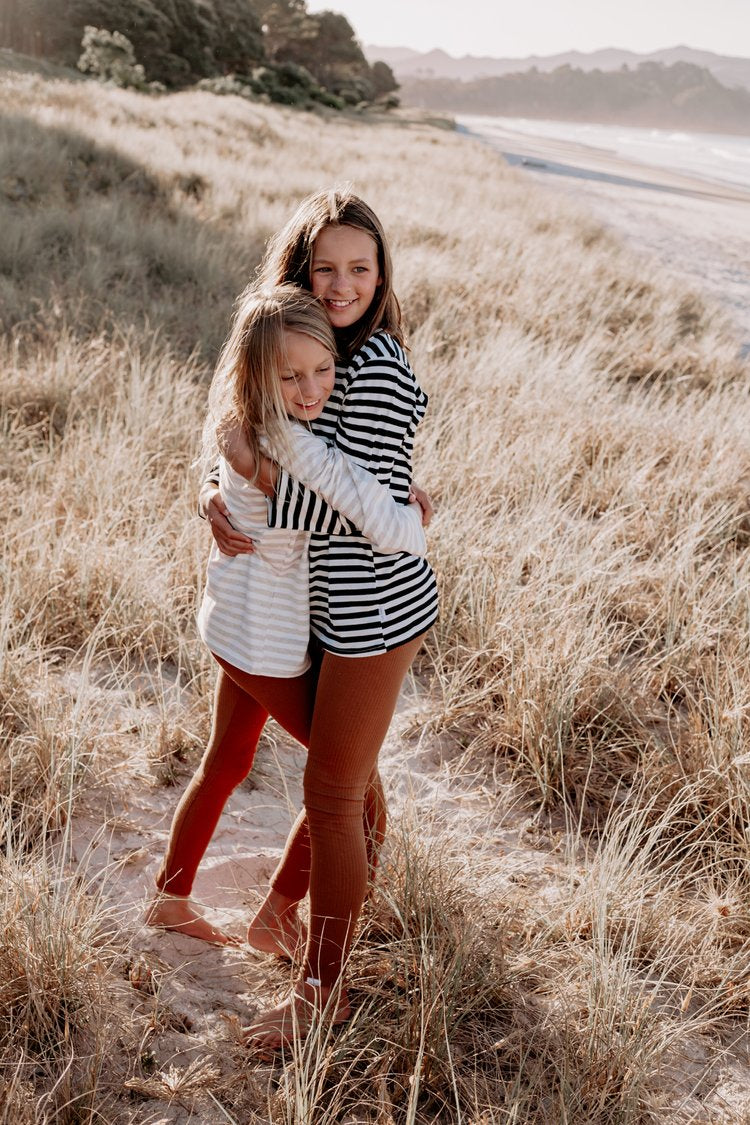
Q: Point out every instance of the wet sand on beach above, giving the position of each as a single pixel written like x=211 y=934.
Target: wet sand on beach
x=696 y=228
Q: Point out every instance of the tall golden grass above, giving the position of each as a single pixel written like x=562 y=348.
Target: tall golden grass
x=589 y=448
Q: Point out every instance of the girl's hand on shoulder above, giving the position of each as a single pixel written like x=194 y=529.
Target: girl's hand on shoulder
x=228 y=540
x=419 y=496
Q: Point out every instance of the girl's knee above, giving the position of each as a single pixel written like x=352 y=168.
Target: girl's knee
x=223 y=776
x=329 y=796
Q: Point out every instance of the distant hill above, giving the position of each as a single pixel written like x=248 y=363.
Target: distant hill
x=680 y=96
x=728 y=70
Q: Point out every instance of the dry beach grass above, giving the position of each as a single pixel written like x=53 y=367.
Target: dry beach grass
x=577 y=950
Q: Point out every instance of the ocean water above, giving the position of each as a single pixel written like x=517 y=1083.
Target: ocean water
x=719 y=157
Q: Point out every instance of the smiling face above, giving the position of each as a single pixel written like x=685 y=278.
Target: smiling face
x=308 y=377
x=344 y=273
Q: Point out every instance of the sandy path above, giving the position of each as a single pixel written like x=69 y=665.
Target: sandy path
x=196 y=997
x=696 y=229
x=206 y=993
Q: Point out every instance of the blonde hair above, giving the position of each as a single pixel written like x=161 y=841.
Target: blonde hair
x=246 y=387
x=289 y=254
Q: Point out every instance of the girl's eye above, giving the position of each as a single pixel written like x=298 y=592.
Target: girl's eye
x=288 y=378
x=360 y=269
x=321 y=269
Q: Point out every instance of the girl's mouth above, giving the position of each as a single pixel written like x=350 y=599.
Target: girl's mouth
x=340 y=304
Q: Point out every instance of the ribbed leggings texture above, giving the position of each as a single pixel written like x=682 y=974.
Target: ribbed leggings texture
x=341 y=711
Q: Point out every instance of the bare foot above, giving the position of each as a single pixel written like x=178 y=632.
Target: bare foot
x=293 y=1018
x=170 y=912
x=277 y=928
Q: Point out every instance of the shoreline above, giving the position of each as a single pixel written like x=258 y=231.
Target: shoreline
x=592 y=162
x=645 y=126
x=698 y=229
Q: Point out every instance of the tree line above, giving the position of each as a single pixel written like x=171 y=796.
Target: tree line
x=274 y=47
x=682 y=95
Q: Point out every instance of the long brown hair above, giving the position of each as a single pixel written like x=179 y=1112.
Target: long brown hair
x=246 y=387
x=289 y=254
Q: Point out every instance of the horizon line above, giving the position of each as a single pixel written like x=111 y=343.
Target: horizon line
x=552 y=54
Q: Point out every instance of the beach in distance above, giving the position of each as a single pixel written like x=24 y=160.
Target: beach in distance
x=683 y=198
x=722 y=159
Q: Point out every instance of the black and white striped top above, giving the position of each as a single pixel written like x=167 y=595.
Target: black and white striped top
x=364 y=602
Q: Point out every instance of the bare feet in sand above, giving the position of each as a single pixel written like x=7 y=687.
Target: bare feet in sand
x=293 y=1018
x=174 y=912
x=277 y=928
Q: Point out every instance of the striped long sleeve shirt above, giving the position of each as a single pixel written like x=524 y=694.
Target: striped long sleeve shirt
x=363 y=602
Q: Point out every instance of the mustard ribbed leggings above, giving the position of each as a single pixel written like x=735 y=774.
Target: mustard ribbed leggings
x=341 y=711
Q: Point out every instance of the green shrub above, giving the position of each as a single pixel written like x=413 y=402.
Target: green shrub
x=109 y=56
x=226 y=84
x=284 y=83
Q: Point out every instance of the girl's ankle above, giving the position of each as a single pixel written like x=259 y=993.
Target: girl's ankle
x=315 y=991
x=279 y=903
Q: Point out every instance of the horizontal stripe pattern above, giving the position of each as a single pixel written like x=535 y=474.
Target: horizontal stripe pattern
x=363 y=602
x=255 y=611
x=255 y=608
x=370 y=508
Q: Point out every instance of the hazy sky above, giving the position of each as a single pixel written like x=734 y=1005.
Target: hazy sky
x=514 y=28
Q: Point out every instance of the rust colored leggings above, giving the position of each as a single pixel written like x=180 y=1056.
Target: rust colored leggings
x=343 y=720
x=242 y=703
x=354 y=705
